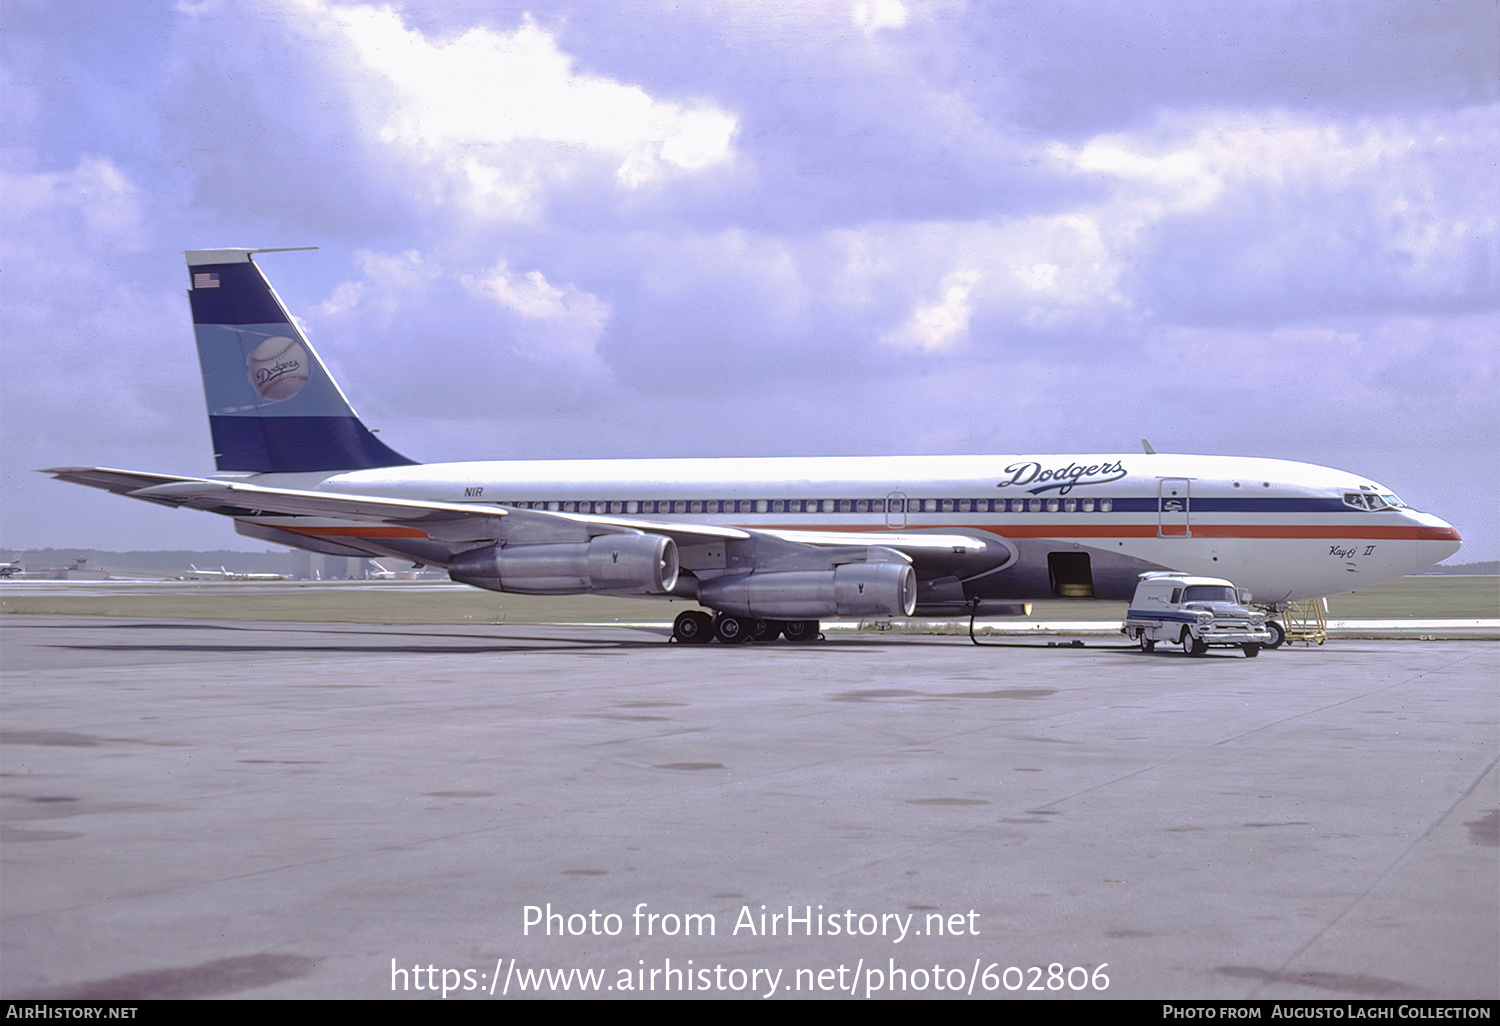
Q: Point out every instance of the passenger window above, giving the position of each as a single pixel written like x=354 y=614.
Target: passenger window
x=761 y=505
x=1105 y=505
x=1070 y=506
x=1088 y=505
x=1034 y=506
x=1052 y=505
x=777 y=506
x=1176 y=595
x=845 y=505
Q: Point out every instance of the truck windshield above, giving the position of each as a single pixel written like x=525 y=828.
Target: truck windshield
x=1208 y=593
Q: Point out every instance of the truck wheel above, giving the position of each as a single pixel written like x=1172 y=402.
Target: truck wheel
x=1191 y=645
x=1148 y=644
x=1251 y=650
x=1278 y=634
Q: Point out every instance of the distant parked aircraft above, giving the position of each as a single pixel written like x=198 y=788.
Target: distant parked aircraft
x=227 y=575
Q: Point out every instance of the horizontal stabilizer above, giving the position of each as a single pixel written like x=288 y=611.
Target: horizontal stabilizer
x=120 y=482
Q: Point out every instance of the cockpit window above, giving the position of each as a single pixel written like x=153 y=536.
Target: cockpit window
x=1208 y=593
x=1372 y=500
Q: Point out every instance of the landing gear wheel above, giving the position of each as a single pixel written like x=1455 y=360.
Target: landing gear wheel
x=693 y=627
x=1278 y=634
x=1251 y=650
x=765 y=630
x=1191 y=645
x=732 y=630
x=800 y=630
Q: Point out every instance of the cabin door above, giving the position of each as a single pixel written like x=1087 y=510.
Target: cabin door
x=1173 y=508
x=895 y=510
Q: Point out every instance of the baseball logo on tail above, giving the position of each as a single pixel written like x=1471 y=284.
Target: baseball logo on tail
x=278 y=368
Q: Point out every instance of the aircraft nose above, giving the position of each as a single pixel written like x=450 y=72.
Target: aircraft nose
x=1436 y=539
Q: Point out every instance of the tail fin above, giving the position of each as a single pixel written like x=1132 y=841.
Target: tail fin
x=272 y=405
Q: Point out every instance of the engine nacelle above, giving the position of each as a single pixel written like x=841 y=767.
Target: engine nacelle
x=615 y=564
x=854 y=589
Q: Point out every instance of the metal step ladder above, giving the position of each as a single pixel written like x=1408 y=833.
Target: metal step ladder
x=1306 y=622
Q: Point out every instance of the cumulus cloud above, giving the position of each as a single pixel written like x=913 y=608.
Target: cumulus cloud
x=96 y=197
x=1287 y=216
x=91 y=321
x=943 y=321
x=873 y=15
x=432 y=336
x=570 y=319
x=498 y=114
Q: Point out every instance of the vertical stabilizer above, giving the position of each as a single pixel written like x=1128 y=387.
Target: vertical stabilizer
x=272 y=405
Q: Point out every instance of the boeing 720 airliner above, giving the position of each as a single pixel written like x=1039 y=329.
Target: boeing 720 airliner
x=767 y=546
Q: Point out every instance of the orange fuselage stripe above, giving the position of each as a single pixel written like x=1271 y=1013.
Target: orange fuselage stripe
x=1199 y=530
x=372 y=531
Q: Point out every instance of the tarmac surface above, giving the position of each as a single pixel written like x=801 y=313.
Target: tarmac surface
x=258 y=810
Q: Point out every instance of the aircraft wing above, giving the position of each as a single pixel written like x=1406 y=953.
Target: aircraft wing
x=462 y=525
x=445 y=520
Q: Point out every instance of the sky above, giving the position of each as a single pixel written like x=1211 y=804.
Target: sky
x=758 y=228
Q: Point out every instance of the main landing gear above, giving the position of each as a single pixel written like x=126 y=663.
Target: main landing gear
x=696 y=627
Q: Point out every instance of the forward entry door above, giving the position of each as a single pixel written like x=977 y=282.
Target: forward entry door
x=1174 y=508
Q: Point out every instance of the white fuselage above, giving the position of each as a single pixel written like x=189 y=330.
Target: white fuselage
x=1284 y=530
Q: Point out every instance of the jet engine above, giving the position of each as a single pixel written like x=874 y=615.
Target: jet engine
x=617 y=564
x=853 y=589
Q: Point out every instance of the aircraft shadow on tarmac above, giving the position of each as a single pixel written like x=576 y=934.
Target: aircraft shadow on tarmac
x=439 y=642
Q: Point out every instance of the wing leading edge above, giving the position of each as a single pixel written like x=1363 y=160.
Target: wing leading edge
x=496 y=546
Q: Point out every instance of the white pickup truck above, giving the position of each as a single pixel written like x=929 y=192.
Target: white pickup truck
x=1194 y=612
